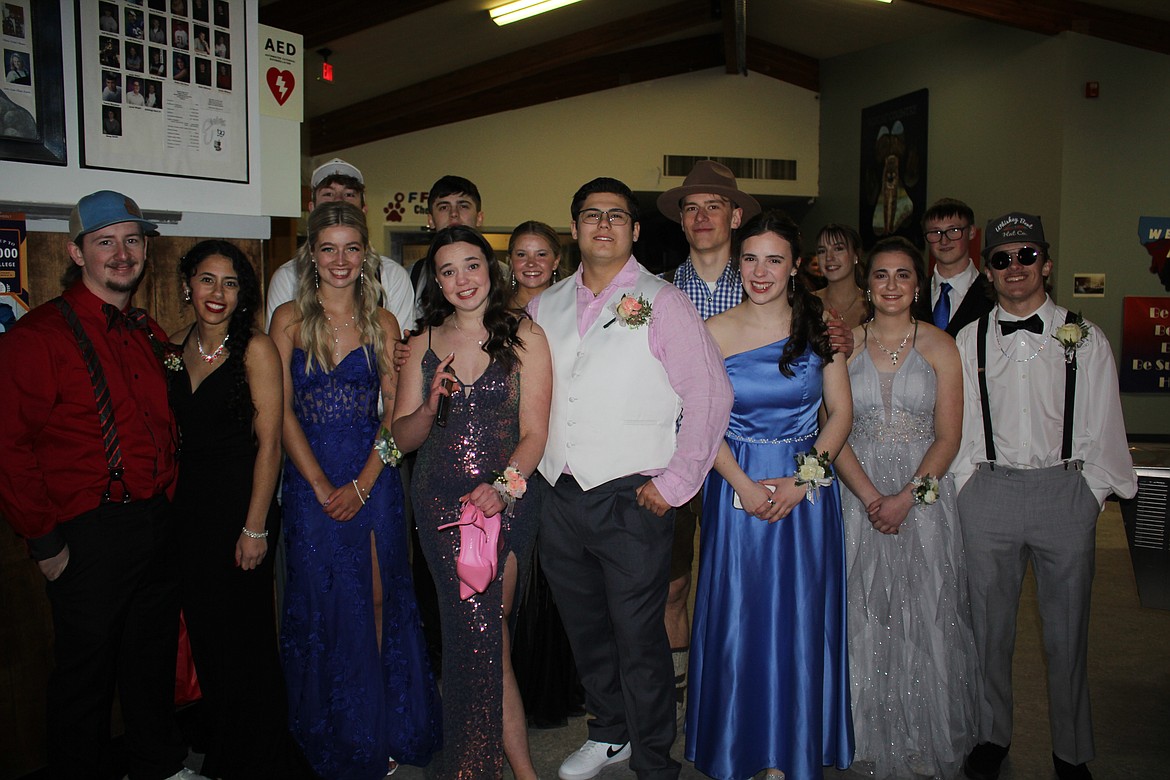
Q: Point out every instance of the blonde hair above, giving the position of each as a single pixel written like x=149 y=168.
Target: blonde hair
x=316 y=333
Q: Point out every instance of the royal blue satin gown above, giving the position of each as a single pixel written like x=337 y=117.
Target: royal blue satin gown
x=352 y=704
x=769 y=678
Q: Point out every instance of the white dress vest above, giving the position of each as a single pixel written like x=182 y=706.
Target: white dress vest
x=614 y=412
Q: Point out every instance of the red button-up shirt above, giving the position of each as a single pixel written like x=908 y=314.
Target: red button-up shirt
x=53 y=460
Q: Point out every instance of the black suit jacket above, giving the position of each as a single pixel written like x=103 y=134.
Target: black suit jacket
x=979 y=300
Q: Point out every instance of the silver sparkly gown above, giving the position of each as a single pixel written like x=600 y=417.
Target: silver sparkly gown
x=911 y=652
x=481 y=434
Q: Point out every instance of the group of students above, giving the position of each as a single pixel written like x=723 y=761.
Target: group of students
x=869 y=626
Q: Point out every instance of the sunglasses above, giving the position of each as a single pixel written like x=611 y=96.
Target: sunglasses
x=1024 y=256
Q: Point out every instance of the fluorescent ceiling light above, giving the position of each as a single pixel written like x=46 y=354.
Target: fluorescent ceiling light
x=522 y=9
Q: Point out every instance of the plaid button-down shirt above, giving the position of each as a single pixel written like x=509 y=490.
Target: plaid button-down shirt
x=728 y=290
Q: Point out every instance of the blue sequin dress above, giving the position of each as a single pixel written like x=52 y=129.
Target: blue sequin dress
x=769 y=683
x=911 y=650
x=482 y=431
x=352 y=704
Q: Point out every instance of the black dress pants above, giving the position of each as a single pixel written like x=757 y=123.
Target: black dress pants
x=608 y=563
x=116 y=623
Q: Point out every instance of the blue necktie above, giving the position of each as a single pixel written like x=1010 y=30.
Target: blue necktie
x=942 y=309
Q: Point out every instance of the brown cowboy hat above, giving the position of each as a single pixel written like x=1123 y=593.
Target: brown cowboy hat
x=707 y=176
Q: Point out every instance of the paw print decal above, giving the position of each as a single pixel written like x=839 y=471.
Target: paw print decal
x=394 y=209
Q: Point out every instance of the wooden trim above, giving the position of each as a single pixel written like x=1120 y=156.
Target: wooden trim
x=769 y=59
x=568 y=80
x=321 y=22
x=382 y=115
x=1051 y=17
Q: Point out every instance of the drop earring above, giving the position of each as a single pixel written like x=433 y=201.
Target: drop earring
x=792 y=279
x=916 y=296
x=316 y=278
x=868 y=296
x=186 y=295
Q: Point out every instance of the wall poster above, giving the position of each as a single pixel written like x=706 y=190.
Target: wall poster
x=1145 y=345
x=893 y=169
x=164 y=87
x=13 y=270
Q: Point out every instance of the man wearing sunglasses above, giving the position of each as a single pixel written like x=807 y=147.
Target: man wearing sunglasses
x=959 y=294
x=1043 y=446
x=640 y=403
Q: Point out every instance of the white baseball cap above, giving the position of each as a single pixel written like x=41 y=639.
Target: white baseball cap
x=335 y=167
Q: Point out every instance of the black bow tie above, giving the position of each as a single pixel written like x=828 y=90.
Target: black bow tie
x=133 y=319
x=1033 y=323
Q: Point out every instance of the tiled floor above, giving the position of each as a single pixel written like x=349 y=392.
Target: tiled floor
x=1129 y=673
x=1129 y=668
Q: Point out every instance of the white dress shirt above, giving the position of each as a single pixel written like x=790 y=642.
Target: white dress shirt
x=1025 y=385
x=398 y=299
x=960 y=283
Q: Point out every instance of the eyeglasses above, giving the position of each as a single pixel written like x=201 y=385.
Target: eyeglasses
x=1024 y=256
x=953 y=233
x=615 y=217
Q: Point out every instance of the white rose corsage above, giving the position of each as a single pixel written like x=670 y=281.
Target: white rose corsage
x=925 y=490
x=814 y=470
x=387 y=448
x=1071 y=336
x=632 y=312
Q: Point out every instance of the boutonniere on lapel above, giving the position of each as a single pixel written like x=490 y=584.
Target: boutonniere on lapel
x=170 y=355
x=631 y=312
x=1072 y=335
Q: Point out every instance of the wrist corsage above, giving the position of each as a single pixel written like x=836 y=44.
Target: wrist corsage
x=925 y=490
x=386 y=448
x=632 y=312
x=510 y=484
x=1072 y=335
x=813 y=470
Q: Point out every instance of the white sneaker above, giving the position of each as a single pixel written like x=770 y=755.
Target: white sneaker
x=591 y=758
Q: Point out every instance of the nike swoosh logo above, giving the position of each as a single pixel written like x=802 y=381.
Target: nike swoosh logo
x=611 y=752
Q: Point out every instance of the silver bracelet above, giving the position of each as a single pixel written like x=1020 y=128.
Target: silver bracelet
x=253 y=535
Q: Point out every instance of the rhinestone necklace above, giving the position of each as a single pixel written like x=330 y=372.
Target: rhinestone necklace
x=895 y=353
x=214 y=356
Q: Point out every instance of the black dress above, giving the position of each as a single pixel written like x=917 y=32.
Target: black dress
x=230 y=613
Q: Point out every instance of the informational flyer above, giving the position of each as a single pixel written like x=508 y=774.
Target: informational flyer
x=163 y=87
x=13 y=270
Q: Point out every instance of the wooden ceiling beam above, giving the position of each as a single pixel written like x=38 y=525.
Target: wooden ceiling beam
x=769 y=59
x=1051 y=17
x=391 y=108
x=730 y=50
x=321 y=22
x=557 y=83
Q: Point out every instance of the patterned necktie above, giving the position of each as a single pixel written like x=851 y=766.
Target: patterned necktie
x=942 y=309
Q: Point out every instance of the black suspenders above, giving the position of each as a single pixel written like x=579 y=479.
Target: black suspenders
x=1070 y=389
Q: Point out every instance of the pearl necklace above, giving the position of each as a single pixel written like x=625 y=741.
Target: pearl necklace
x=894 y=355
x=214 y=356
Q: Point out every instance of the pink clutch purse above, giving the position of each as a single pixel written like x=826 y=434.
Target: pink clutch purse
x=479 y=549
